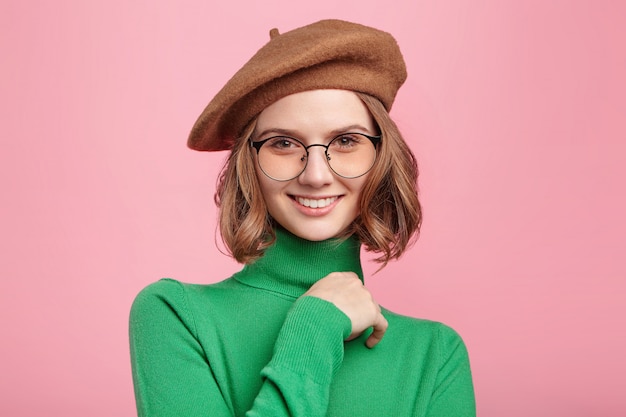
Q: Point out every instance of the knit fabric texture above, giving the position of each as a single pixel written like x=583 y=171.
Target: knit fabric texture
x=329 y=54
x=251 y=345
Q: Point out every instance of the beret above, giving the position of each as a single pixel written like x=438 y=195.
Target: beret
x=329 y=54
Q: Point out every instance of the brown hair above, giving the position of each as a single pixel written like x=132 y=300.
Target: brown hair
x=390 y=212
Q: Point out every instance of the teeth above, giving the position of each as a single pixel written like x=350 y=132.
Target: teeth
x=322 y=202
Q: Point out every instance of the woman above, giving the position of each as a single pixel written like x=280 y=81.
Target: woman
x=317 y=169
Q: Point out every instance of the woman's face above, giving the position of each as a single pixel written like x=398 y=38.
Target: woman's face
x=318 y=204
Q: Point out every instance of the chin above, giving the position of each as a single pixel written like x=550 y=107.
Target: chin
x=316 y=233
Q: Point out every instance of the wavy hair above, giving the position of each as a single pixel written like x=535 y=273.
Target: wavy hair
x=390 y=213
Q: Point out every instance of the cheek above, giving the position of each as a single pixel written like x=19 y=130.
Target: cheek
x=357 y=187
x=264 y=188
x=270 y=190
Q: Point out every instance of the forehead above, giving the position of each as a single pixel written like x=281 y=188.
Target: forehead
x=316 y=112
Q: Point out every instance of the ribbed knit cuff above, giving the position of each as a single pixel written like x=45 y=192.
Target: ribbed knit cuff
x=310 y=342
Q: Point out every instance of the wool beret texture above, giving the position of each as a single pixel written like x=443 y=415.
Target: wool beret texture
x=329 y=54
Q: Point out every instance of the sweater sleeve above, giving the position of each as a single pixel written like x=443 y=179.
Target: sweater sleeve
x=453 y=392
x=172 y=375
x=307 y=354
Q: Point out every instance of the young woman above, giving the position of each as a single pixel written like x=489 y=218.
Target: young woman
x=317 y=169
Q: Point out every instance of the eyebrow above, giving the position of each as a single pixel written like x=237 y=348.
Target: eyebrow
x=296 y=134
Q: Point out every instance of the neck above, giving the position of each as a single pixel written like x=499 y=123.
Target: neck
x=291 y=265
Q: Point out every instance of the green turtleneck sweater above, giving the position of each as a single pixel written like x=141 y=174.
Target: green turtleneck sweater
x=251 y=345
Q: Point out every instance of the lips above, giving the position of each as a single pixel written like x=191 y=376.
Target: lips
x=315 y=202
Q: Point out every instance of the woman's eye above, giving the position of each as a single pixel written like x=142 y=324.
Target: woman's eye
x=282 y=143
x=346 y=141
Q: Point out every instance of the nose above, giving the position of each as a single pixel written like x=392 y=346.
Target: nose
x=317 y=172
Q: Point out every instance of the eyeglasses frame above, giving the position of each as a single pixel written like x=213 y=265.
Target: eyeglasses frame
x=374 y=139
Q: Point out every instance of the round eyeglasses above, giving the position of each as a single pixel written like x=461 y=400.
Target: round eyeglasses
x=349 y=155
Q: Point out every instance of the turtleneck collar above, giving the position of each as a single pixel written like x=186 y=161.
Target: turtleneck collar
x=292 y=264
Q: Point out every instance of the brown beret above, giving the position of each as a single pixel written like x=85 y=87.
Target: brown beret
x=330 y=54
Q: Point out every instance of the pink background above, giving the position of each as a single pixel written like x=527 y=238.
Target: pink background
x=516 y=110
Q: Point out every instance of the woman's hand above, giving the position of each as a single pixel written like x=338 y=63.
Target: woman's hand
x=346 y=291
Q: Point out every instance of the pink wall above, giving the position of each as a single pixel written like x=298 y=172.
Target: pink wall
x=514 y=108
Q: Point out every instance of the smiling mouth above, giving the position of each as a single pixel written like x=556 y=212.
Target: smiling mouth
x=315 y=202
